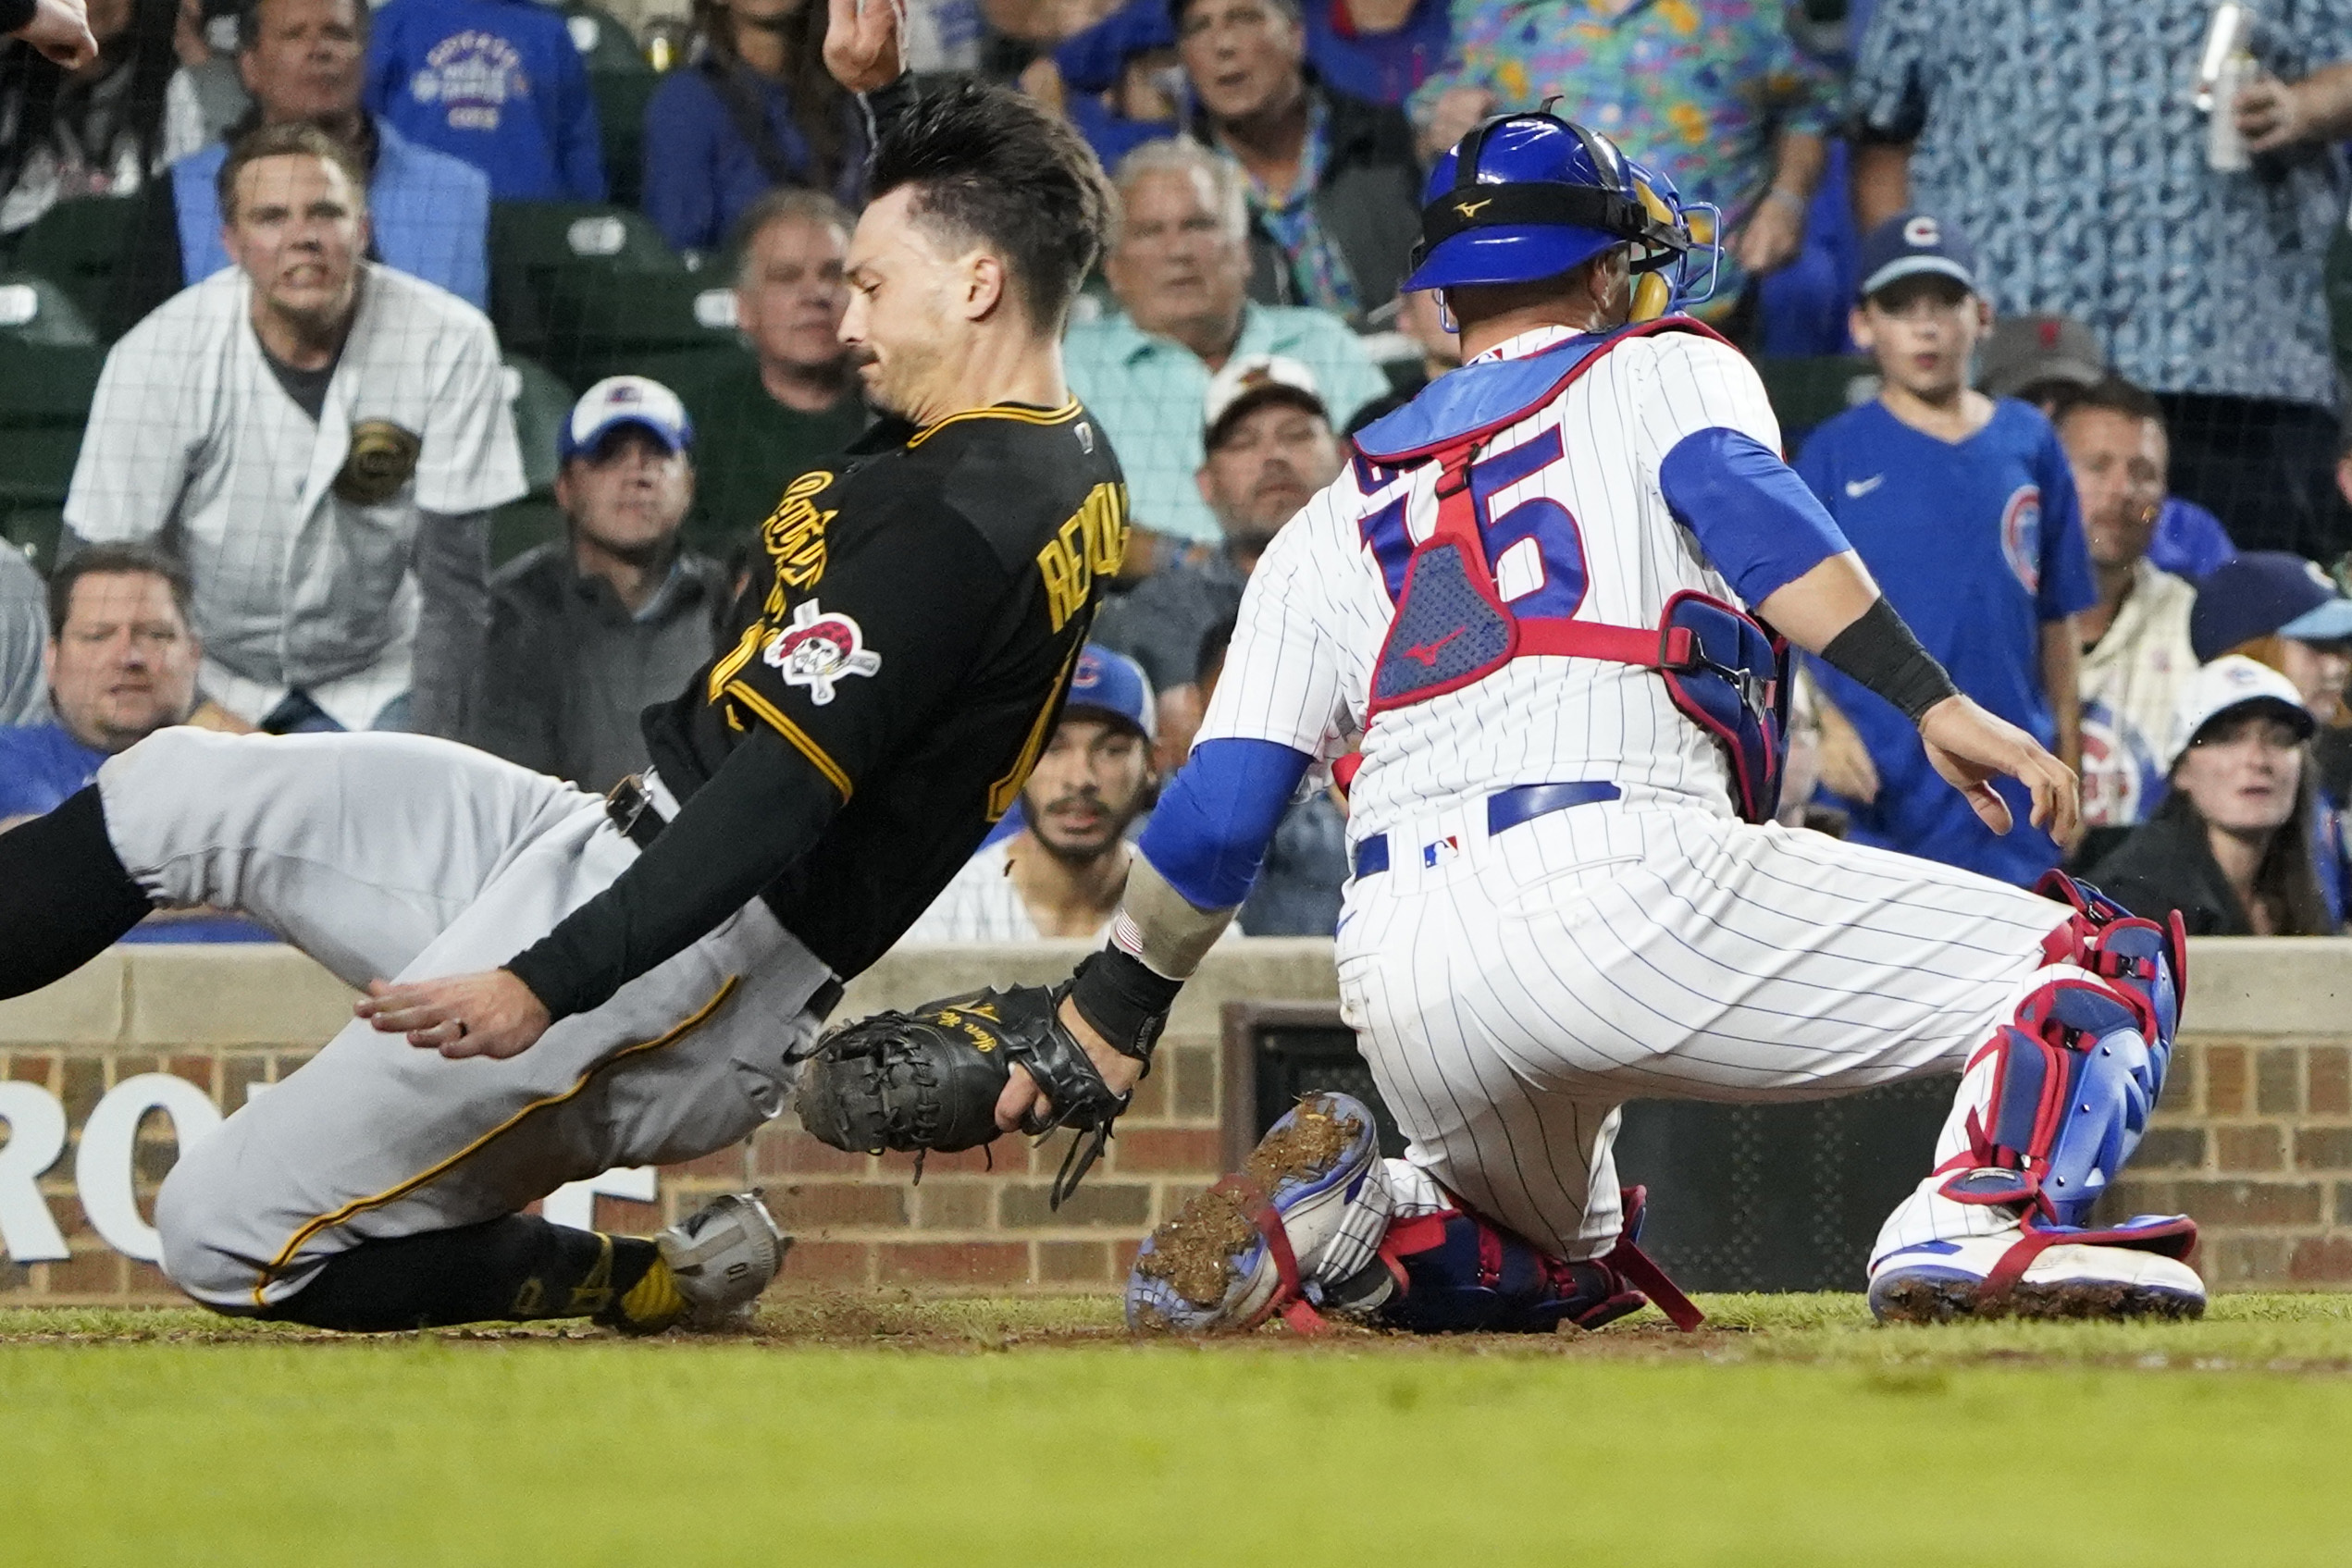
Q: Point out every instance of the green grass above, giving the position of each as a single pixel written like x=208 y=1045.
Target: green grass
x=857 y=1430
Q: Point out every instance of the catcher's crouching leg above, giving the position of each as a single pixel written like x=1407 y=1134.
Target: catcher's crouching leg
x=1308 y=1226
x=2049 y=1110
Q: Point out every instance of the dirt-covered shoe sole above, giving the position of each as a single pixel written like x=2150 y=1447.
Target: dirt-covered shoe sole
x=1207 y=1270
x=1924 y=1298
x=1939 y=1281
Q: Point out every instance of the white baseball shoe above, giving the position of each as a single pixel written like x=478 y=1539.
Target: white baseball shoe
x=1307 y=1211
x=1937 y=1281
x=723 y=1255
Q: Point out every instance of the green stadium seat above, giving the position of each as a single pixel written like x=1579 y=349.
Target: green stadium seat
x=541 y=404
x=1804 y=392
x=521 y=526
x=620 y=121
x=603 y=323
x=533 y=243
x=77 y=245
x=45 y=390
x=620 y=79
x=33 y=310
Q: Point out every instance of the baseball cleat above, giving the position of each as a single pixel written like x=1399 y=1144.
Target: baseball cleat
x=1251 y=1244
x=722 y=1256
x=1939 y=1281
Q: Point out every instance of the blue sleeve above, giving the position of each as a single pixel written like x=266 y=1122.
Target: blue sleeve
x=679 y=194
x=1755 y=519
x=469 y=277
x=581 y=153
x=2067 y=584
x=1208 y=834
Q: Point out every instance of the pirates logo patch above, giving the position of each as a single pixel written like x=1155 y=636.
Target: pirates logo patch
x=819 y=649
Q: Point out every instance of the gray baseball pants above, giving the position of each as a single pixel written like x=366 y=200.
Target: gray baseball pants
x=400 y=857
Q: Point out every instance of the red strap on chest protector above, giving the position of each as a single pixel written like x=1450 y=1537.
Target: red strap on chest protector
x=1647 y=647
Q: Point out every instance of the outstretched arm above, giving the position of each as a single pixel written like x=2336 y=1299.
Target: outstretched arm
x=1193 y=869
x=1766 y=532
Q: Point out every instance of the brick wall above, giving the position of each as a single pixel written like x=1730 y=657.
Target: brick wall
x=227 y=1018
x=2255 y=1138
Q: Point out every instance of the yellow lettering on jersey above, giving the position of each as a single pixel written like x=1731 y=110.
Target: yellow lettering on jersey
x=1090 y=544
x=794 y=535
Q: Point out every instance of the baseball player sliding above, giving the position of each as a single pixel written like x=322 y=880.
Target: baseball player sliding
x=1522 y=604
x=586 y=983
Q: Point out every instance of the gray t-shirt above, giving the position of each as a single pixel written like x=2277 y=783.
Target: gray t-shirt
x=24 y=628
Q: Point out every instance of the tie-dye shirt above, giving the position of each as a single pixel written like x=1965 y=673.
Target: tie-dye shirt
x=1698 y=90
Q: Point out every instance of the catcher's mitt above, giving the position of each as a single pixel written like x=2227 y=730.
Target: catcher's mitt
x=930 y=1079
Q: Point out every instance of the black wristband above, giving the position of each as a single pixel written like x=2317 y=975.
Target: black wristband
x=1878 y=651
x=15 y=15
x=1122 y=1000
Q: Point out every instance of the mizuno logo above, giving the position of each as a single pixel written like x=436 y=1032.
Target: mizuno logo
x=1426 y=653
x=1472 y=209
x=1857 y=489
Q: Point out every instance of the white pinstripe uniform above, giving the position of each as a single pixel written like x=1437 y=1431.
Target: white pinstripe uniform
x=1510 y=992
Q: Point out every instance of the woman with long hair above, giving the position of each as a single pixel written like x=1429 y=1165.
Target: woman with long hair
x=102 y=130
x=757 y=109
x=2231 y=845
x=2283 y=612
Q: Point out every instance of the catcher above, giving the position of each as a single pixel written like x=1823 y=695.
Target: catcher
x=1524 y=609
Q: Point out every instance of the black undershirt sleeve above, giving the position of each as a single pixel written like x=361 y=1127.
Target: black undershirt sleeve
x=15 y=14
x=764 y=809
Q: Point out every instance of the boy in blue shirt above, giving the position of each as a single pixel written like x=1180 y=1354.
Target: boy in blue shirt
x=1965 y=511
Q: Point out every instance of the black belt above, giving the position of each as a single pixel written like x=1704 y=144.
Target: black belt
x=1504 y=808
x=633 y=811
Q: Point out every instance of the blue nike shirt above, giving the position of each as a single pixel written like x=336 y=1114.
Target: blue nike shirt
x=1976 y=545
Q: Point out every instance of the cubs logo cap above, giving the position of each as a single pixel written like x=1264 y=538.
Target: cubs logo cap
x=2224 y=686
x=1912 y=242
x=1249 y=382
x=2265 y=591
x=1111 y=685
x=625 y=400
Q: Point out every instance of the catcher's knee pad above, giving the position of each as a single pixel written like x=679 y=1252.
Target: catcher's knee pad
x=2148 y=959
x=2075 y=1080
x=1456 y=1273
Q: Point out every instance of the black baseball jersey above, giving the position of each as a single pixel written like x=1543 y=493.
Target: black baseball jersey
x=885 y=704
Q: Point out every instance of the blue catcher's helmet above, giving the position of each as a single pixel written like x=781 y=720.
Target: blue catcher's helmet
x=1528 y=196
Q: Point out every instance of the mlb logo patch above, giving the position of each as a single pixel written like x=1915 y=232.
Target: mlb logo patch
x=1437 y=854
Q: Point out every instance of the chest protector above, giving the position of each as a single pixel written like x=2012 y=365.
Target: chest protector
x=1725 y=671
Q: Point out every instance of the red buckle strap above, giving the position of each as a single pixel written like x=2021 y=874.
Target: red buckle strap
x=1639 y=1270
x=1288 y=1298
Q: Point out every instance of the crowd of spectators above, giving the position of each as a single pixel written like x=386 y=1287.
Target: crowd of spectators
x=2097 y=458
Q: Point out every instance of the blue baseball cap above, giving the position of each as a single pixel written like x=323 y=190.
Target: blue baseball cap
x=1912 y=242
x=625 y=400
x=2264 y=591
x=1112 y=685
